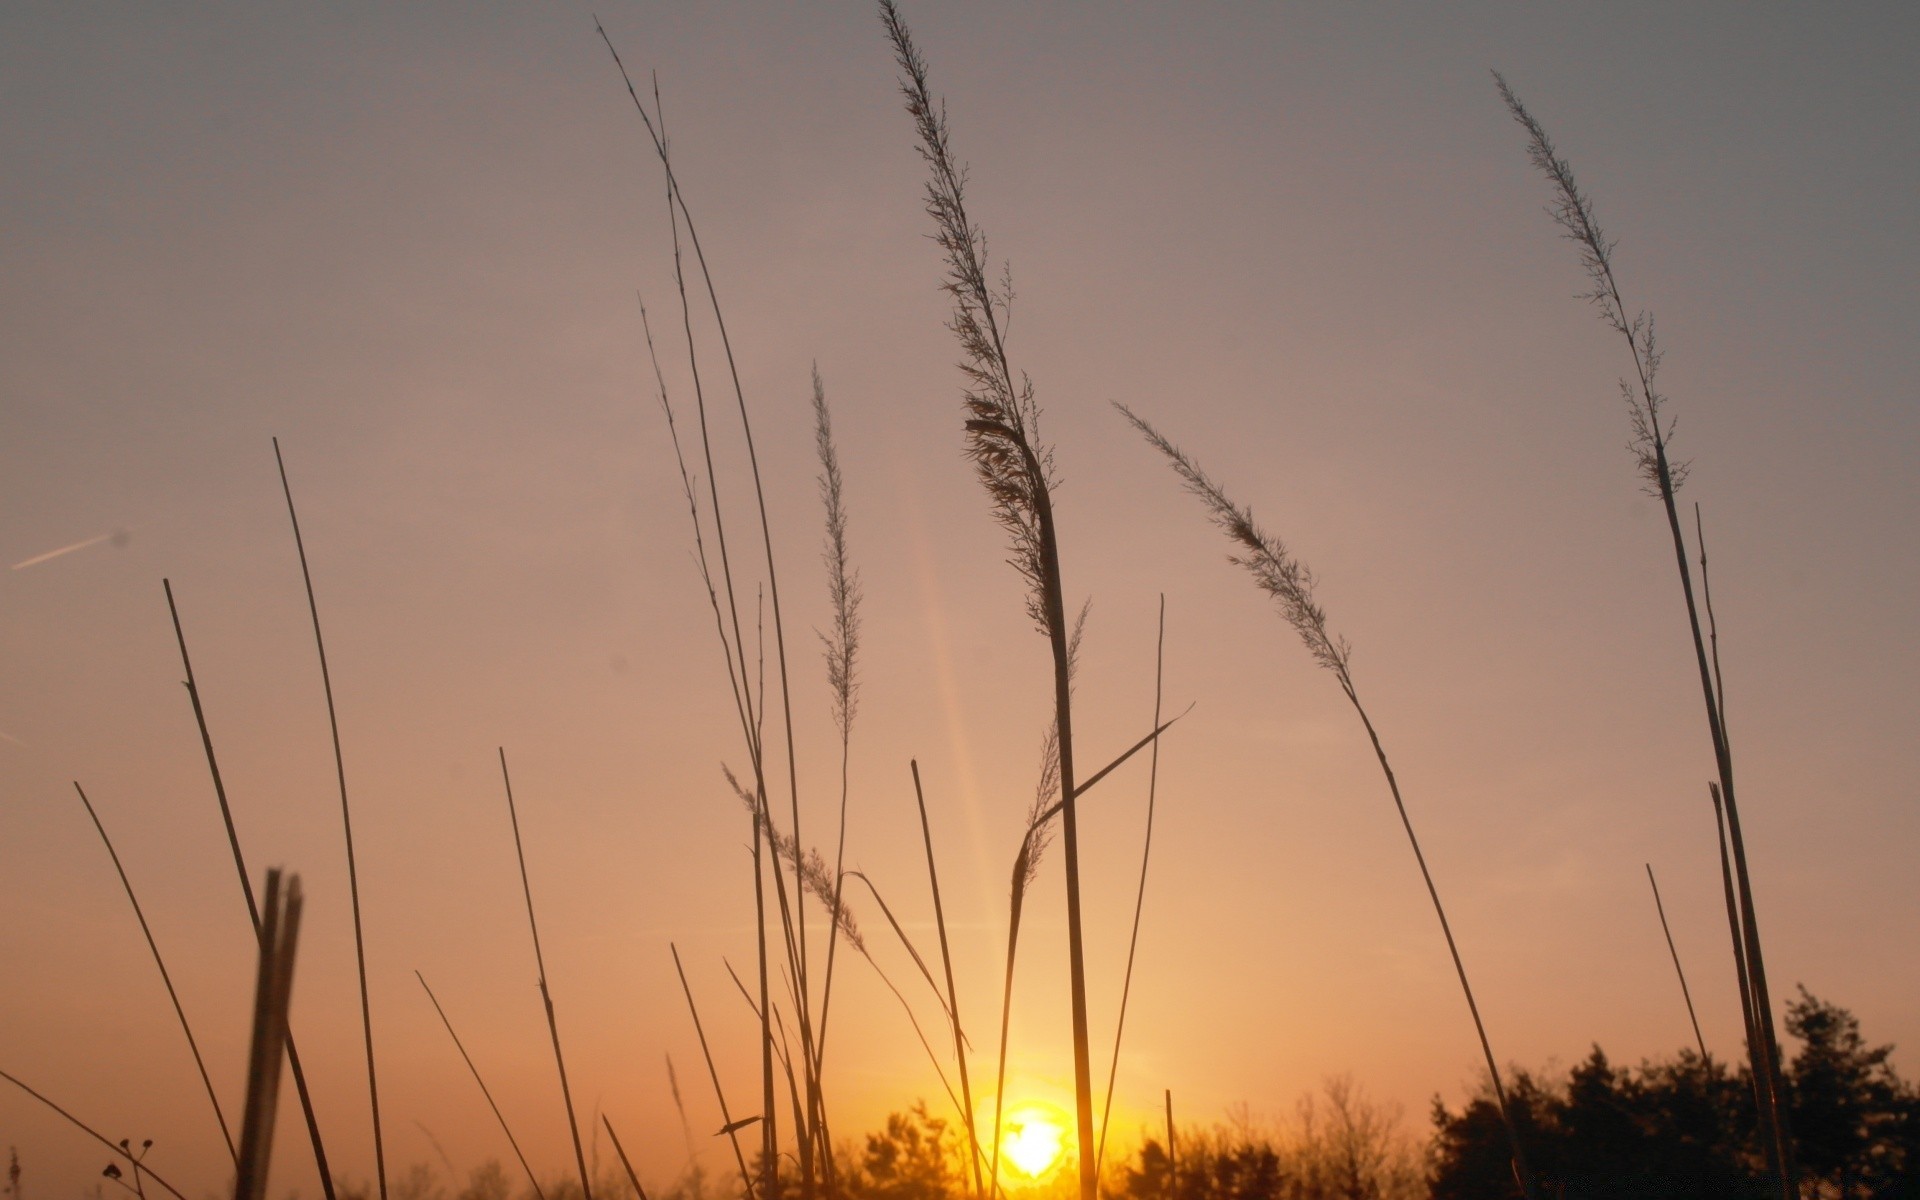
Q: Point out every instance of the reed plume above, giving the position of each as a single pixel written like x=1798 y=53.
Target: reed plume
x=1287 y=580
x=1661 y=476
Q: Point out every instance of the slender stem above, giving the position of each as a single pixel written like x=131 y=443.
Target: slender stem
x=625 y=1164
x=273 y=993
x=726 y=1116
x=246 y=889
x=484 y=1090
x=546 y=997
x=1173 y=1158
x=1762 y=1086
x=89 y=1130
x=1671 y=949
x=953 y=997
x=165 y=977
x=1140 y=897
x=1522 y=1172
x=346 y=821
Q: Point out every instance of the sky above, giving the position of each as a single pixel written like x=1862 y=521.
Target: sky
x=1303 y=240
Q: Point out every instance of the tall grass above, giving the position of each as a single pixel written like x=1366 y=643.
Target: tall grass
x=1572 y=210
x=321 y=1165
x=273 y=993
x=346 y=821
x=1287 y=580
x=166 y=977
x=1016 y=468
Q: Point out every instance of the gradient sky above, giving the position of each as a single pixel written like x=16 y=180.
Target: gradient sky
x=1303 y=240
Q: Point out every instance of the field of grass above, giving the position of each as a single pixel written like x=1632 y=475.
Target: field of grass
x=824 y=666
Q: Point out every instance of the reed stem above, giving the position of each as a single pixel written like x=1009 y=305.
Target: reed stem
x=484 y=1090
x=165 y=976
x=546 y=997
x=246 y=889
x=346 y=821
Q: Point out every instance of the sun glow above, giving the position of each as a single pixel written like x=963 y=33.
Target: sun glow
x=1034 y=1138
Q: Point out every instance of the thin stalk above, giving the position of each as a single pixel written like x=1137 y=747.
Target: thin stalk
x=1001 y=429
x=626 y=1165
x=1573 y=211
x=1762 y=1086
x=783 y=1049
x=1288 y=581
x=91 y=1132
x=273 y=993
x=953 y=997
x=676 y=210
x=1671 y=949
x=484 y=1090
x=246 y=889
x=1140 y=897
x=346 y=821
x=841 y=648
x=546 y=997
x=165 y=977
x=1173 y=1157
x=726 y=1116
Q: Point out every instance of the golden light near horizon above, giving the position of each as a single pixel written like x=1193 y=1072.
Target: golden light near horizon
x=1035 y=1138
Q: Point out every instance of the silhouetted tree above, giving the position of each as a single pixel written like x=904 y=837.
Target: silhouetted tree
x=1686 y=1127
x=1853 y=1117
x=913 y=1158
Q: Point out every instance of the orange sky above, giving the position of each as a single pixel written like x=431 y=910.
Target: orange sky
x=1305 y=243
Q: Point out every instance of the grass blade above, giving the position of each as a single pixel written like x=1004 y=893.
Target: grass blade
x=484 y=1090
x=246 y=889
x=165 y=976
x=546 y=997
x=346 y=821
x=279 y=940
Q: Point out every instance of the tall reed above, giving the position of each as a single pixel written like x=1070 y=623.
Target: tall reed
x=485 y=1091
x=246 y=887
x=1282 y=576
x=1572 y=210
x=546 y=995
x=166 y=977
x=1015 y=467
x=1685 y=993
x=346 y=821
x=273 y=994
x=793 y=916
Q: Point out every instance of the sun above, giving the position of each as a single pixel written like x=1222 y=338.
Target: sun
x=1034 y=1138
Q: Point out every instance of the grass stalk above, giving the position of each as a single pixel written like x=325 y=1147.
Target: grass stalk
x=1140 y=897
x=346 y=821
x=795 y=945
x=1282 y=576
x=546 y=996
x=1685 y=994
x=246 y=889
x=1016 y=469
x=841 y=648
x=726 y=1115
x=484 y=1090
x=626 y=1165
x=953 y=997
x=1662 y=477
x=1762 y=1086
x=119 y=1149
x=1173 y=1154
x=273 y=994
x=166 y=977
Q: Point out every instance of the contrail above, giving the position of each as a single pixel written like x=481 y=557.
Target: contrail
x=117 y=535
